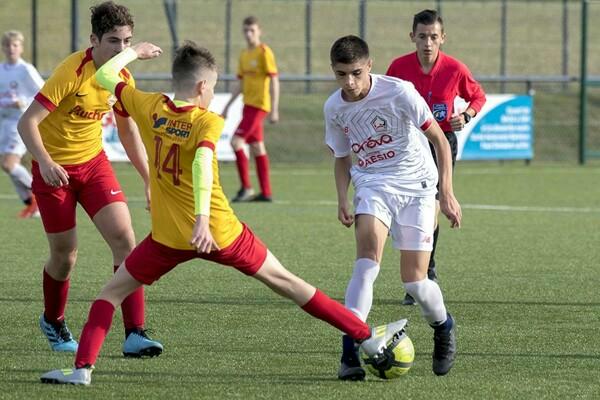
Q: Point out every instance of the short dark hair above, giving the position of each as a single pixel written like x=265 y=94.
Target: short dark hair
x=427 y=17
x=348 y=49
x=250 y=20
x=108 y=15
x=190 y=60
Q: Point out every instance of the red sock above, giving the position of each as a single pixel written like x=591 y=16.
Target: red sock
x=323 y=307
x=55 y=298
x=133 y=309
x=94 y=332
x=262 y=170
x=243 y=168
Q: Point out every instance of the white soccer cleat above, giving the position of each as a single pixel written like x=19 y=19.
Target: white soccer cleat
x=380 y=335
x=72 y=376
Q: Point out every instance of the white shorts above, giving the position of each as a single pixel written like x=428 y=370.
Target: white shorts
x=410 y=219
x=10 y=141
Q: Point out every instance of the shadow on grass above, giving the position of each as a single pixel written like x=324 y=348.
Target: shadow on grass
x=166 y=377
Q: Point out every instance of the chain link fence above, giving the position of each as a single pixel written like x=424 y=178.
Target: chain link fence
x=511 y=46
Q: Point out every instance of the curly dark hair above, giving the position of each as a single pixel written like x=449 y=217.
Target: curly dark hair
x=107 y=16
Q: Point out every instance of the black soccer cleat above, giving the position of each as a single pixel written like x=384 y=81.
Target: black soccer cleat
x=408 y=300
x=444 y=348
x=350 y=368
x=261 y=198
x=243 y=195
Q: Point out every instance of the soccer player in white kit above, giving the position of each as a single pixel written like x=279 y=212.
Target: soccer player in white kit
x=19 y=82
x=377 y=128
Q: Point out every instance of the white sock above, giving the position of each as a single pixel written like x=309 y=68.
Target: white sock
x=359 y=294
x=22 y=181
x=428 y=295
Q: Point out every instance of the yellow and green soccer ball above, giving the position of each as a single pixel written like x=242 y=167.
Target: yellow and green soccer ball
x=400 y=356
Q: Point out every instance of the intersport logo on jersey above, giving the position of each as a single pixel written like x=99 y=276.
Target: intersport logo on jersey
x=371 y=143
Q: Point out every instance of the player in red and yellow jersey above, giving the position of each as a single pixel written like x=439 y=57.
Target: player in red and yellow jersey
x=191 y=217
x=62 y=130
x=259 y=84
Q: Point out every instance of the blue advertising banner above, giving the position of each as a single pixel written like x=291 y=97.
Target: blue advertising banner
x=503 y=130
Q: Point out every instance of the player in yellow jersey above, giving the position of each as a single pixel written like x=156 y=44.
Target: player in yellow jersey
x=191 y=217
x=62 y=130
x=259 y=84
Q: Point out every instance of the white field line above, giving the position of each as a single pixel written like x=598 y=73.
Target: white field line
x=482 y=207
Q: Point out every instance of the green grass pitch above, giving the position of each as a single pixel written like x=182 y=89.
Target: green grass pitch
x=521 y=277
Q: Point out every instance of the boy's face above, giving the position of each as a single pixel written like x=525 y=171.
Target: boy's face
x=12 y=49
x=428 y=39
x=111 y=43
x=252 y=34
x=354 y=78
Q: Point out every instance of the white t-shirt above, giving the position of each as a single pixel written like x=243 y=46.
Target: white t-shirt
x=383 y=131
x=19 y=81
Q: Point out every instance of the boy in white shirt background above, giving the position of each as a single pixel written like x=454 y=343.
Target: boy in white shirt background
x=19 y=82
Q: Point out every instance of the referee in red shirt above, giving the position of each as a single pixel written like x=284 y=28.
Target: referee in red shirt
x=439 y=78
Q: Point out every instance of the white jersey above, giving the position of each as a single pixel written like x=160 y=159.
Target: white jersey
x=19 y=81
x=384 y=133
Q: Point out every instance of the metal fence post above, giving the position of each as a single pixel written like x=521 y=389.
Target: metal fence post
x=308 y=42
x=34 y=44
x=362 y=19
x=171 y=12
x=503 y=28
x=74 y=26
x=583 y=84
x=565 y=42
x=227 y=41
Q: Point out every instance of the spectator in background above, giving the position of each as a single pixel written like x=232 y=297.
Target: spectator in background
x=438 y=78
x=259 y=84
x=19 y=82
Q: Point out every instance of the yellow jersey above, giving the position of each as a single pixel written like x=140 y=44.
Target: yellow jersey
x=171 y=136
x=72 y=132
x=255 y=68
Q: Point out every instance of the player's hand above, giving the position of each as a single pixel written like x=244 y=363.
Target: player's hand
x=202 y=239
x=146 y=50
x=457 y=122
x=345 y=216
x=53 y=174
x=451 y=209
x=274 y=117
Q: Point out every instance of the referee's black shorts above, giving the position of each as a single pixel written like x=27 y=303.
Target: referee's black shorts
x=451 y=136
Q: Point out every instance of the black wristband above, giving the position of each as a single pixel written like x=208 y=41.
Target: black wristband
x=467 y=117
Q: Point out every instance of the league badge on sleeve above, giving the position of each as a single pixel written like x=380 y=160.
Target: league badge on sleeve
x=440 y=111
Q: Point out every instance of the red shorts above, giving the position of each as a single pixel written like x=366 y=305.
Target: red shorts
x=150 y=260
x=251 y=127
x=93 y=184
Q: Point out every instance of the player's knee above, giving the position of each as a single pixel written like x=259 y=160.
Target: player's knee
x=122 y=242
x=62 y=261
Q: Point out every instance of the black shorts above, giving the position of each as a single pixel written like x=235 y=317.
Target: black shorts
x=451 y=136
